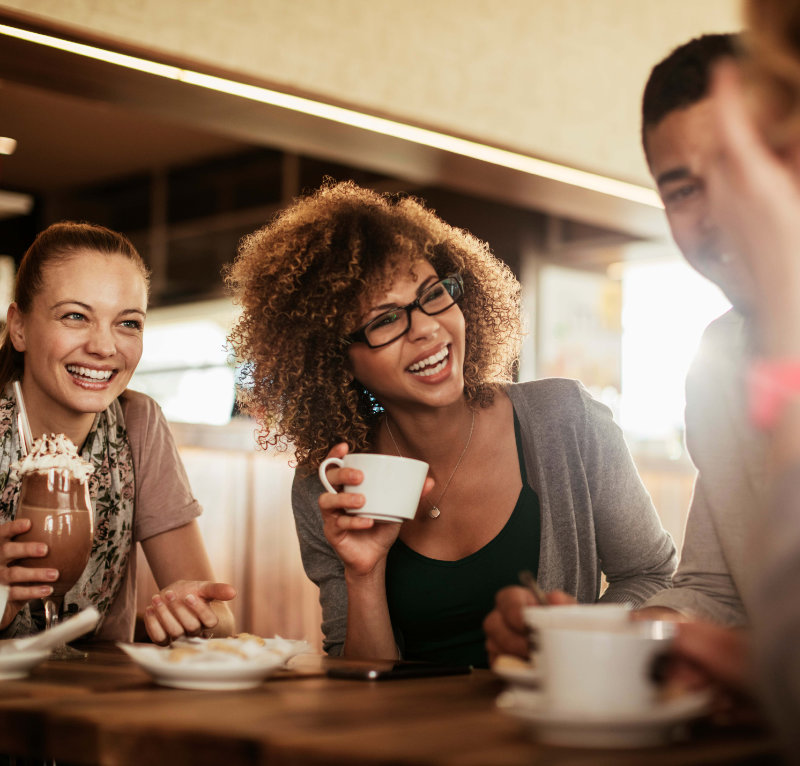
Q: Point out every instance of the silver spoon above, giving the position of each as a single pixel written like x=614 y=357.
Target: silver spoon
x=529 y=581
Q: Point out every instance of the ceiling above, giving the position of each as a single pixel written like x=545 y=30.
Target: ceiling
x=66 y=141
x=81 y=120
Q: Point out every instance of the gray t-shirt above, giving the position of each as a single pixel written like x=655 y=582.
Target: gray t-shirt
x=164 y=499
x=596 y=516
x=714 y=578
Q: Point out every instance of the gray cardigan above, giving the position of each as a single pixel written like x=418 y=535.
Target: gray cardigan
x=715 y=576
x=595 y=512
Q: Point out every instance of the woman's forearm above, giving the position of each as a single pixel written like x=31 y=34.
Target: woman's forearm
x=369 y=627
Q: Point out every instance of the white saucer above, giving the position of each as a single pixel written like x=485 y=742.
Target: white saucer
x=519 y=675
x=215 y=670
x=650 y=727
x=19 y=663
x=378 y=517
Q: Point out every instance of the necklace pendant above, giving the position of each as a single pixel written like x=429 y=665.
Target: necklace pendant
x=434 y=512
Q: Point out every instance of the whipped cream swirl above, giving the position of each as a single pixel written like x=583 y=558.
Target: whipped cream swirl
x=54 y=451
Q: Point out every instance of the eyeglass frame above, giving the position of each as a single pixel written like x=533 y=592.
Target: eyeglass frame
x=360 y=335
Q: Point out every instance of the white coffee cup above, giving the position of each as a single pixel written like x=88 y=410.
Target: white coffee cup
x=601 y=672
x=392 y=485
x=585 y=616
x=576 y=615
x=3 y=598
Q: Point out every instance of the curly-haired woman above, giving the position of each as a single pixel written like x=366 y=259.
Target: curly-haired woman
x=370 y=325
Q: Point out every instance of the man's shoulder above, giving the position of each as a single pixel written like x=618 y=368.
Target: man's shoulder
x=726 y=332
x=724 y=348
x=716 y=396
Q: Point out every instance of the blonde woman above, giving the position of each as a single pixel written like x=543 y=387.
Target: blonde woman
x=74 y=339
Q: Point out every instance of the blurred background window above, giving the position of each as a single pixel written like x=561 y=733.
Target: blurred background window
x=184 y=365
x=666 y=306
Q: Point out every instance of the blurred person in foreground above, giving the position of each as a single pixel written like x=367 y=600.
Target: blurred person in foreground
x=712 y=580
x=754 y=188
x=371 y=325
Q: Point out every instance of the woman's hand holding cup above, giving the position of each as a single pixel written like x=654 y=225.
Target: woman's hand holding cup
x=507 y=632
x=384 y=487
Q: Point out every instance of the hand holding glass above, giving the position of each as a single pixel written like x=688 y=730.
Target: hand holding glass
x=60 y=512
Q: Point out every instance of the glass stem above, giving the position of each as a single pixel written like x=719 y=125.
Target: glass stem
x=52 y=610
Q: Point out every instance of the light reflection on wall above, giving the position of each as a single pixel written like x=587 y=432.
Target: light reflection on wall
x=7 y=273
x=666 y=306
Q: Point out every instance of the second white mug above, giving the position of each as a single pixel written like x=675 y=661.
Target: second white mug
x=605 y=671
x=392 y=485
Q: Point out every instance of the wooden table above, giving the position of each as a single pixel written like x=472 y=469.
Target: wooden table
x=106 y=711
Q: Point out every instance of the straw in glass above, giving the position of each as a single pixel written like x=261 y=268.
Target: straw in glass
x=23 y=424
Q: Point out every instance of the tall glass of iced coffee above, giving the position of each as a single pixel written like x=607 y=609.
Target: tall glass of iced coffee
x=54 y=495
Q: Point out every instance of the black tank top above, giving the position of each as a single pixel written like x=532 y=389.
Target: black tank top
x=438 y=607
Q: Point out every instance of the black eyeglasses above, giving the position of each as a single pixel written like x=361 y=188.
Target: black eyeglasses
x=393 y=324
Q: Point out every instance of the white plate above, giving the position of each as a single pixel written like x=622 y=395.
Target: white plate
x=67 y=630
x=217 y=672
x=653 y=726
x=18 y=664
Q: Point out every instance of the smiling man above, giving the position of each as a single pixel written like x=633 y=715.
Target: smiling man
x=714 y=575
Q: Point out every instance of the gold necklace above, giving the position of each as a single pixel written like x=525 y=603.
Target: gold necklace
x=434 y=511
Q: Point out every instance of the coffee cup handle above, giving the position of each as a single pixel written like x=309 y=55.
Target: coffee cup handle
x=323 y=466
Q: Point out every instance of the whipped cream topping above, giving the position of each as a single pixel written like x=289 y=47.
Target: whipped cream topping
x=54 y=451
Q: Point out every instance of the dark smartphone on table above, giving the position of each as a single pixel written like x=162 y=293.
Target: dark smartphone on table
x=383 y=670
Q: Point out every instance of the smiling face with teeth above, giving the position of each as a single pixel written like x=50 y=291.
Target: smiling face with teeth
x=81 y=339
x=423 y=366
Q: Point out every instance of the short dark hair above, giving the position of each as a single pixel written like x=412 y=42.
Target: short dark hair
x=683 y=78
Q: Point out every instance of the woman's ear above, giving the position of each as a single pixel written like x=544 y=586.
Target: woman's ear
x=16 y=327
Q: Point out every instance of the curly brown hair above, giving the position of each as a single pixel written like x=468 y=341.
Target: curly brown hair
x=301 y=281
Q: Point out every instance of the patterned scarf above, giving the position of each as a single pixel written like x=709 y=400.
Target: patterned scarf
x=111 y=488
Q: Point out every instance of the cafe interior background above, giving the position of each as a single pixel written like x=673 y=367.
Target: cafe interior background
x=187 y=124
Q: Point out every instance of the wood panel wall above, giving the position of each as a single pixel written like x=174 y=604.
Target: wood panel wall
x=249 y=532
